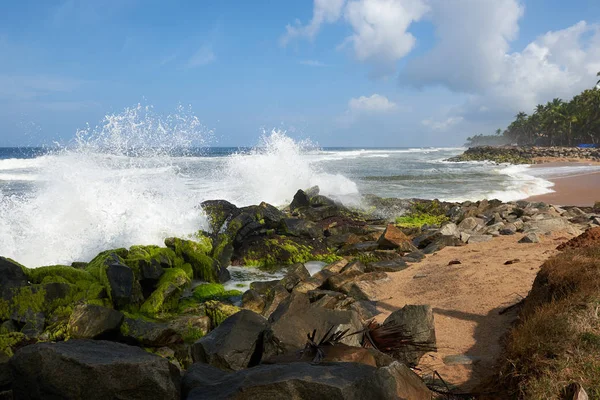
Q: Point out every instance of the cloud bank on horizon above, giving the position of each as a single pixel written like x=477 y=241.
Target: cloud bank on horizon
x=344 y=72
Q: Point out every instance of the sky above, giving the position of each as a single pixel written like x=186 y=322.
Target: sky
x=360 y=73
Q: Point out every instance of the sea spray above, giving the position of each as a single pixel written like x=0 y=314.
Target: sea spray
x=115 y=187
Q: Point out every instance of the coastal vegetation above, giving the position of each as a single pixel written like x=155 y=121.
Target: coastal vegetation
x=556 y=123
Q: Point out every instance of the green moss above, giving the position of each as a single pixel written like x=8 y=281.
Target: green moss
x=281 y=251
x=140 y=255
x=196 y=254
x=97 y=267
x=125 y=330
x=28 y=299
x=9 y=340
x=219 y=312
x=192 y=333
x=166 y=296
x=214 y=291
x=58 y=273
x=418 y=220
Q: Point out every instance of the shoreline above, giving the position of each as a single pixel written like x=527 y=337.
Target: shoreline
x=581 y=190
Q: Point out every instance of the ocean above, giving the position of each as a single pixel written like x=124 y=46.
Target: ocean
x=103 y=191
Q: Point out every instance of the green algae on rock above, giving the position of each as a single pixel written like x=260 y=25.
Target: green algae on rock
x=166 y=296
x=213 y=291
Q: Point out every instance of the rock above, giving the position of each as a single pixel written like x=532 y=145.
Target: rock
x=440 y=242
x=530 y=238
x=479 y=239
x=574 y=391
x=316 y=214
x=366 y=309
x=354 y=266
x=190 y=327
x=470 y=224
x=358 y=248
x=253 y=301
x=278 y=250
x=450 y=229
x=548 y=225
x=147 y=333
x=509 y=229
x=365 y=289
x=417 y=321
x=394 y=265
x=275 y=297
x=464 y=237
x=336 y=267
x=263 y=287
x=218 y=213
x=295 y=318
x=6 y=377
x=90 y=321
x=454 y=262
x=200 y=375
x=338 y=282
x=295 y=274
x=414 y=256
x=300 y=228
x=169 y=289
x=420 y=276
x=237 y=343
x=196 y=253
x=92 y=369
x=219 y=312
x=314 y=282
x=308 y=381
x=301 y=200
x=11 y=276
x=510 y=262
x=394 y=239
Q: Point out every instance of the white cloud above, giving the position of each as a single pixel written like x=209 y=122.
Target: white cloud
x=376 y=103
x=324 y=11
x=312 y=63
x=203 y=56
x=441 y=125
x=380 y=28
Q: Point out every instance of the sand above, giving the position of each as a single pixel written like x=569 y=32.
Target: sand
x=467 y=299
x=582 y=190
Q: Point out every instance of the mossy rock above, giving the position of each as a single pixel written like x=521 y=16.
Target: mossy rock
x=9 y=342
x=166 y=296
x=278 y=250
x=143 y=257
x=219 y=312
x=196 y=253
x=110 y=270
x=214 y=291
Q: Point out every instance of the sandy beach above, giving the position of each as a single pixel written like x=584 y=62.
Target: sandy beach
x=581 y=190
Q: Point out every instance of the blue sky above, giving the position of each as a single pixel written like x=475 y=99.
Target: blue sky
x=341 y=72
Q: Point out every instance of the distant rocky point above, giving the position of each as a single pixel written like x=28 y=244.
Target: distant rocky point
x=527 y=155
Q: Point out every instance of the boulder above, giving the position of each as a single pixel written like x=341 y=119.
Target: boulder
x=12 y=276
x=417 y=321
x=354 y=266
x=196 y=253
x=336 y=267
x=530 y=238
x=253 y=301
x=440 y=242
x=470 y=224
x=450 y=229
x=218 y=213
x=190 y=327
x=394 y=239
x=335 y=381
x=6 y=377
x=200 y=375
x=549 y=225
x=479 y=238
x=300 y=228
x=294 y=275
x=509 y=229
x=314 y=282
x=169 y=289
x=148 y=333
x=275 y=297
x=89 y=321
x=92 y=369
x=395 y=265
x=237 y=343
x=295 y=318
x=301 y=200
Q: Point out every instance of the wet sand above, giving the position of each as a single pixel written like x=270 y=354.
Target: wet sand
x=581 y=190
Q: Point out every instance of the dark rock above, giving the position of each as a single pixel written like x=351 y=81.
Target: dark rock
x=147 y=333
x=263 y=287
x=530 y=238
x=454 y=262
x=394 y=265
x=300 y=228
x=253 y=301
x=321 y=201
x=479 y=238
x=295 y=274
x=442 y=241
x=414 y=256
x=237 y=343
x=151 y=271
x=509 y=262
x=366 y=309
x=354 y=266
x=314 y=282
x=417 y=321
x=92 y=369
x=190 y=327
x=11 y=276
x=200 y=375
x=90 y=321
x=301 y=200
x=120 y=279
x=6 y=377
x=218 y=212
x=295 y=318
x=275 y=297
x=320 y=213
x=6 y=395
x=351 y=381
x=357 y=248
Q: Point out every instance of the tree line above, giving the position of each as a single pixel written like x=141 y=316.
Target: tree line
x=556 y=123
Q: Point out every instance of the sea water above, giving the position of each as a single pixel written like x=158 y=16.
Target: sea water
x=138 y=178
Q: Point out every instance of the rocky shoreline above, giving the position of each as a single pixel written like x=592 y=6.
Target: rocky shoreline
x=157 y=322
x=526 y=155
